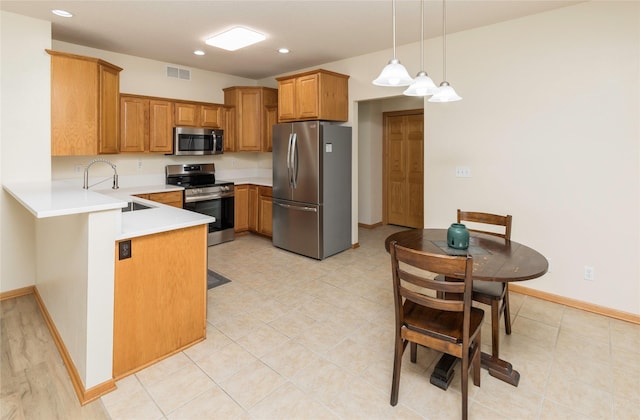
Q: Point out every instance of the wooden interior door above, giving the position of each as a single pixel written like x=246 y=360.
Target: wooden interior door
x=403 y=156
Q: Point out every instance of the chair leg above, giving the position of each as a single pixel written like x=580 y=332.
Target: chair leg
x=397 y=366
x=495 y=328
x=476 y=360
x=507 y=311
x=465 y=386
x=414 y=352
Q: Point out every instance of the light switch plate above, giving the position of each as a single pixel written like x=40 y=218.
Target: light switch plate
x=463 y=172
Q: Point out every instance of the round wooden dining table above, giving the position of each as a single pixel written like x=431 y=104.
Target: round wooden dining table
x=494 y=259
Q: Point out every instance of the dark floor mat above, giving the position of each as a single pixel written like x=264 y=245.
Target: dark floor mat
x=214 y=279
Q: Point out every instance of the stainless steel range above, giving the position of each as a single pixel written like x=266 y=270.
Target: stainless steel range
x=203 y=194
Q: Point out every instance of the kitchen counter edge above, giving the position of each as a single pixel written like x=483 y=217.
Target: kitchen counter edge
x=61 y=198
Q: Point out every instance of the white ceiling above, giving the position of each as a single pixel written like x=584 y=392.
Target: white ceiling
x=316 y=32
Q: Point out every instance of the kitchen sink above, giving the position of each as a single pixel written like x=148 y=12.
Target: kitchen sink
x=133 y=206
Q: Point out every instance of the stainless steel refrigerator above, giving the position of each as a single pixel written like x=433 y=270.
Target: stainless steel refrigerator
x=312 y=188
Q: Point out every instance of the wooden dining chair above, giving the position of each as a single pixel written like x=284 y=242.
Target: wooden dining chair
x=447 y=325
x=494 y=294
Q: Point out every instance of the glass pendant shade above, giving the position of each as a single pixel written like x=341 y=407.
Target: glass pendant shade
x=393 y=74
x=445 y=93
x=422 y=86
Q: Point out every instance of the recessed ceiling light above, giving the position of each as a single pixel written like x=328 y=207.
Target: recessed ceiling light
x=235 y=38
x=198 y=52
x=283 y=50
x=63 y=13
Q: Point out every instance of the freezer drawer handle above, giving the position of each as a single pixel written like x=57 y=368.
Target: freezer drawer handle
x=301 y=208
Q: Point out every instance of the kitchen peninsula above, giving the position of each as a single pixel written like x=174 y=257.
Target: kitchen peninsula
x=119 y=291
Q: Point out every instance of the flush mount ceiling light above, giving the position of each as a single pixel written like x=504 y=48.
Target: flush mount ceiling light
x=445 y=92
x=198 y=52
x=63 y=13
x=422 y=85
x=235 y=38
x=283 y=50
x=394 y=73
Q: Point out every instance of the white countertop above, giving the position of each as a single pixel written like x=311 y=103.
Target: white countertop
x=61 y=198
x=265 y=182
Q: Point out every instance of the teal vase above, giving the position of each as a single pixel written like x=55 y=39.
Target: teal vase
x=458 y=236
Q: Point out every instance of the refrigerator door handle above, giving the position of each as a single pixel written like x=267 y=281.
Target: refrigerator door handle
x=301 y=208
x=294 y=159
x=289 y=165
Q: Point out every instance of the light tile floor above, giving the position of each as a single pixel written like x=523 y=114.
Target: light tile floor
x=295 y=338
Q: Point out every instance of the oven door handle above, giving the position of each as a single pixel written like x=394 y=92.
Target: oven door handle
x=208 y=197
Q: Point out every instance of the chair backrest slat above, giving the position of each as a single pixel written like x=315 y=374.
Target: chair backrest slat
x=432 y=302
x=487 y=219
x=432 y=284
x=457 y=292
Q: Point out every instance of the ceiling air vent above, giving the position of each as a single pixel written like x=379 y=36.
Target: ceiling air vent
x=178 y=73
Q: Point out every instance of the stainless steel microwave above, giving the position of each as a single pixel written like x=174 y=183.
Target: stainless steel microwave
x=193 y=141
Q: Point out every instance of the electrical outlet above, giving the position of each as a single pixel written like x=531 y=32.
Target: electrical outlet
x=463 y=172
x=124 y=250
x=79 y=169
x=589 y=273
x=139 y=164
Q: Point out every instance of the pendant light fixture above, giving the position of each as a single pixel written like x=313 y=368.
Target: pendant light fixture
x=445 y=92
x=422 y=85
x=394 y=73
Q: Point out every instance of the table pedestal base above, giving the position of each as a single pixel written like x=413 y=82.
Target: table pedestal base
x=443 y=372
x=500 y=369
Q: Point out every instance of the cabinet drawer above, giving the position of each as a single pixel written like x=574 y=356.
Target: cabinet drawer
x=171 y=198
x=266 y=191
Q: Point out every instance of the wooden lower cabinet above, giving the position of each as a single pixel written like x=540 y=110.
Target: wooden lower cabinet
x=253 y=209
x=171 y=198
x=160 y=297
x=241 y=208
x=265 y=202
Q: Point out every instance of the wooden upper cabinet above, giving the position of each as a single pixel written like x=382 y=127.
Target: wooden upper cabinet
x=146 y=125
x=229 y=128
x=251 y=116
x=271 y=118
x=187 y=114
x=134 y=123
x=211 y=116
x=85 y=105
x=160 y=126
x=191 y=114
x=314 y=95
x=287 y=100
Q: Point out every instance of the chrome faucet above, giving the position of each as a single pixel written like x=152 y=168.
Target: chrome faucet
x=86 y=174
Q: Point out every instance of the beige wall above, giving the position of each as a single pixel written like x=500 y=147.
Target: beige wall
x=549 y=127
x=24 y=138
